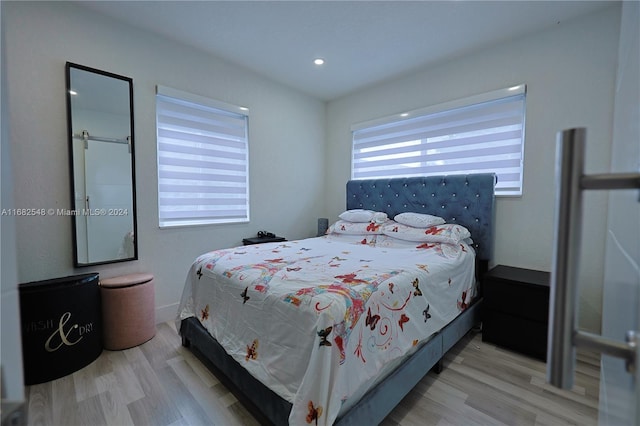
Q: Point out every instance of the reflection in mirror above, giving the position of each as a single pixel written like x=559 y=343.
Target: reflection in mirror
x=100 y=125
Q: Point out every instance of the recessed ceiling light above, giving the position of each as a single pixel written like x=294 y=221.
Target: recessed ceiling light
x=73 y=92
x=318 y=61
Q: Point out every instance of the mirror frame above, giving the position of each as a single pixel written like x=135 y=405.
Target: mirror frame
x=74 y=207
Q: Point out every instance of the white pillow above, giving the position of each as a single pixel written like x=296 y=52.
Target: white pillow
x=354 y=239
x=404 y=232
x=380 y=217
x=445 y=233
x=361 y=215
x=355 y=228
x=418 y=220
x=357 y=215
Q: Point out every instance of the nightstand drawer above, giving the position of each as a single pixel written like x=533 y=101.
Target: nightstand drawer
x=516 y=309
x=519 y=292
x=516 y=333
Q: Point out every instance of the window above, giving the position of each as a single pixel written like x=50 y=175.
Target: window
x=203 y=174
x=481 y=134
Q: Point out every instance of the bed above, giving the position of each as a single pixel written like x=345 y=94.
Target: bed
x=341 y=327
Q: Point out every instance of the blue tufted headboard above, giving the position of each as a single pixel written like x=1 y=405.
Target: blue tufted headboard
x=464 y=199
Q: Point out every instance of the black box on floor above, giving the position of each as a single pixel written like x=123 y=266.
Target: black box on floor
x=61 y=321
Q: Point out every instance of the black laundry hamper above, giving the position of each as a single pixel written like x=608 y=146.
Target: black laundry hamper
x=61 y=322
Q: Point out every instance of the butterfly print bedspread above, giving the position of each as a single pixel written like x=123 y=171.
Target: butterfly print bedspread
x=320 y=320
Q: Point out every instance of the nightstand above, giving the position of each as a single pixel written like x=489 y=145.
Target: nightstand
x=516 y=309
x=260 y=240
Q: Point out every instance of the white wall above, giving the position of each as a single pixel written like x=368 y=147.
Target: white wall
x=570 y=74
x=286 y=151
x=12 y=387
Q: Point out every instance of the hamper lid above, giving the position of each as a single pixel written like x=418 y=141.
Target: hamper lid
x=55 y=283
x=126 y=280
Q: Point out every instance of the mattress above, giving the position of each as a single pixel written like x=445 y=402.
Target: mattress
x=320 y=320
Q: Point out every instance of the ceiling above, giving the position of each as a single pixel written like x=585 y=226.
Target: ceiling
x=363 y=42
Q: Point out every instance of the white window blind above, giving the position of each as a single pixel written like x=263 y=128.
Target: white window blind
x=481 y=134
x=203 y=174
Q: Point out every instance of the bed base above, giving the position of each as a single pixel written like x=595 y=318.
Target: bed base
x=264 y=404
x=373 y=407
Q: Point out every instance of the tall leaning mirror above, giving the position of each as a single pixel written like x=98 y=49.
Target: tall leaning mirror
x=101 y=146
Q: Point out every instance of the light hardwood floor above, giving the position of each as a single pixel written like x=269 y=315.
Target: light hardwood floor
x=162 y=383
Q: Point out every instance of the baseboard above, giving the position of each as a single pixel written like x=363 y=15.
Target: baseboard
x=166 y=313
